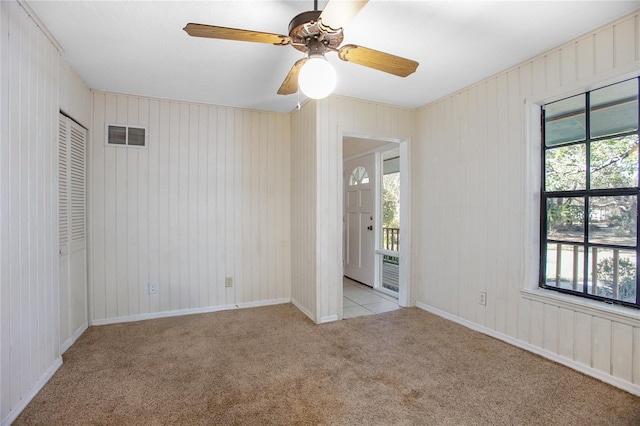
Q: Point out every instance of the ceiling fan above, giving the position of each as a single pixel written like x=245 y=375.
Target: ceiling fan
x=315 y=33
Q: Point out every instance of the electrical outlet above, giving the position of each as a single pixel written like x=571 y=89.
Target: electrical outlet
x=228 y=282
x=153 y=288
x=483 y=298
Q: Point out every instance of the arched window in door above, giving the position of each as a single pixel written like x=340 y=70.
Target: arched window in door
x=359 y=176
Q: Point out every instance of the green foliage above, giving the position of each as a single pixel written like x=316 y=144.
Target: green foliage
x=390 y=200
x=613 y=164
x=626 y=279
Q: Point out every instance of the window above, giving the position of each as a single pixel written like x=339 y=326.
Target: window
x=121 y=135
x=359 y=176
x=589 y=201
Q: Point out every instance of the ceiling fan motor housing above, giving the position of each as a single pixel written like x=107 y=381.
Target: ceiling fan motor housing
x=307 y=34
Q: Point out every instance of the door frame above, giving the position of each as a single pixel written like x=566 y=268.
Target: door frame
x=405 y=296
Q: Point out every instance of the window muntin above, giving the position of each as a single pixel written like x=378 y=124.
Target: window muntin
x=565 y=121
x=589 y=220
x=614 y=109
x=359 y=176
x=127 y=136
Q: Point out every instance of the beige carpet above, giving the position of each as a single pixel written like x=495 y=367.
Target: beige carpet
x=272 y=365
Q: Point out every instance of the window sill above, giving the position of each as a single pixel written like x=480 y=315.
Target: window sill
x=615 y=313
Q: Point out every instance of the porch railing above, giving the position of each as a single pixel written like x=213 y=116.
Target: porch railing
x=391 y=242
x=391 y=238
x=390 y=264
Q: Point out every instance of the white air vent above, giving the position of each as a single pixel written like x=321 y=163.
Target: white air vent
x=129 y=136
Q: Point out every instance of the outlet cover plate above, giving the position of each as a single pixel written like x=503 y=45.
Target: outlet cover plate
x=483 y=298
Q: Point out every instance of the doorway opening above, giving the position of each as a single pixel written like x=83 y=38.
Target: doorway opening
x=372 y=233
x=388 y=252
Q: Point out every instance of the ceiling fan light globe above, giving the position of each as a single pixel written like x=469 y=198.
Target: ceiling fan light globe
x=317 y=78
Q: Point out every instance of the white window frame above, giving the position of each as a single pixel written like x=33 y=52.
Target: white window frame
x=126 y=144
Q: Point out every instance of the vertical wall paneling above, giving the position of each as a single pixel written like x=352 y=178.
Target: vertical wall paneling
x=566 y=327
x=604 y=50
x=636 y=355
x=150 y=274
x=163 y=272
x=143 y=214
x=303 y=211
x=599 y=342
x=97 y=214
x=515 y=162
x=624 y=52
x=202 y=206
x=200 y=203
x=550 y=330
x=622 y=351
x=583 y=340
x=585 y=61
x=31 y=73
x=333 y=117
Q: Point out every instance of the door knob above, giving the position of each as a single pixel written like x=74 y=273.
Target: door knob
x=370 y=227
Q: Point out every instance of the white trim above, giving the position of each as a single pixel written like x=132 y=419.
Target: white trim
x=614 y=381
x=388 y=292
x=377 y=214
x=532 y=156
x=378 y=149
x=15 y=412
x=71 y=340
x=386 y=252
x=405 y=291
x=180 y=312
x=328 y=318
x=303 y=309
x=32 y=14
x=405 y=294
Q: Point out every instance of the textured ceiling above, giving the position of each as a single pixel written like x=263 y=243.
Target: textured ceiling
x=139 y=47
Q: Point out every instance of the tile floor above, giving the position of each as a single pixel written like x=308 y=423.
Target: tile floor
x=359 y=299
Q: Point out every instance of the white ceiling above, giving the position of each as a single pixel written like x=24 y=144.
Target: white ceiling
x=139 y=47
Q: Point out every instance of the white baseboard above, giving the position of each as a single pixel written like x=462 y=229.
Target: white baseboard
x=303 y=309
x=71 y=340
x=13 y=414
x=614 y=381
x=180 y=312
x=328 y=318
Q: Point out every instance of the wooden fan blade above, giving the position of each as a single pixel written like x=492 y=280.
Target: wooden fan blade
x=290 y=84
x=377 y=60
x=338 y=13
x=212 y=31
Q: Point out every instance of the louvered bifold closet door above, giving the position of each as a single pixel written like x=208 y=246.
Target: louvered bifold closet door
x=63 y=185
x=72 y=232
x=77 y=186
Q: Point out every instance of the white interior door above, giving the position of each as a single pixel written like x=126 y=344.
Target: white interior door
x=72 y=230
x=359 y=220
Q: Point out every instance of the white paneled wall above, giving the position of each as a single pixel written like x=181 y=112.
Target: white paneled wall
x=30 y=75
x=208 y=199
x=28 y=233
x=75 y=96
x=478 y=216
x=303 y=209
x=318 y=131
